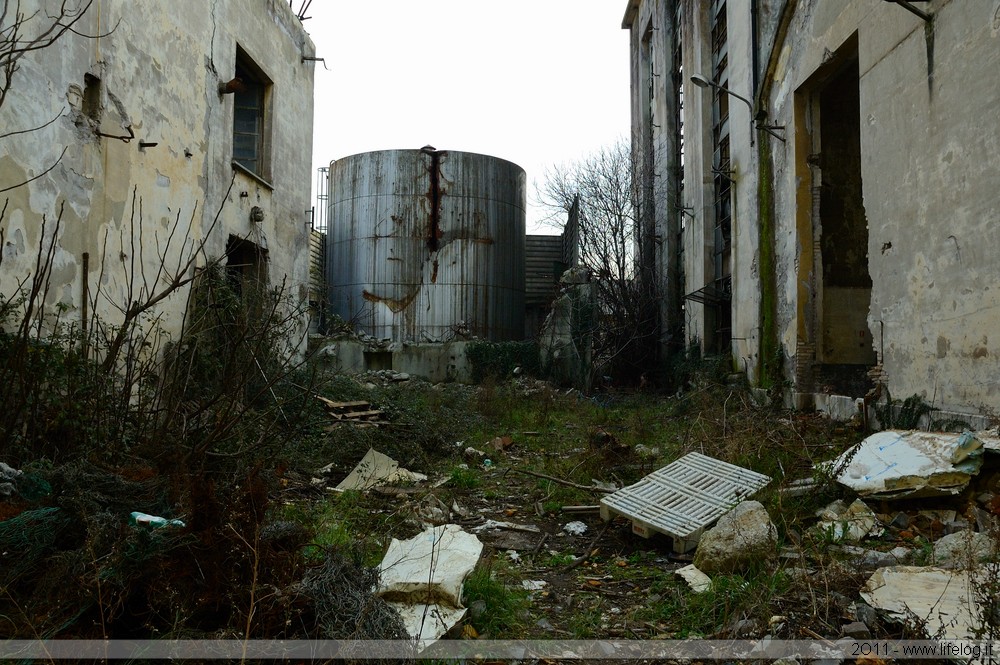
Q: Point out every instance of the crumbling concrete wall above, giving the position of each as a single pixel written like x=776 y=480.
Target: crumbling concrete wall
x=929 y=170
x=436 y=362
x=905 y=206
x=153 y=71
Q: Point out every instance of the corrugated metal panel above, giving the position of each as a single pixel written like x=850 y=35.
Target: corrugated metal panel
x=543 y=258
x=423 y=240
x=683 y=498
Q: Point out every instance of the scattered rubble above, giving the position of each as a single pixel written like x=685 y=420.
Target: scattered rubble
x=963 y=549
x=944 y=601
x=897 y=464
x=869 y=560
x=742 y=537
x=490 y=525
x=849 y=523
x=422 y=579
x=374 y=469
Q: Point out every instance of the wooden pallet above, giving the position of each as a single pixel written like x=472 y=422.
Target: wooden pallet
x=683 y=498
x=357 y=413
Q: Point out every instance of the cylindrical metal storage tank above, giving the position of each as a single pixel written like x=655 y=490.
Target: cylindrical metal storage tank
x=422 y=242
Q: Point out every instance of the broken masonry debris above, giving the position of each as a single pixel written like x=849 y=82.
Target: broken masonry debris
x=943 y=601
x=897 y=464
x=742 y=537
x=422 y=579
x=850 y=523
x=697 y=580
x=374 y=469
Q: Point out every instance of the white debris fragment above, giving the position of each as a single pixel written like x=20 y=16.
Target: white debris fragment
x=894 y=464
x=697 y=580
x=575 y=528
x=491 y=525
x=422 y=578
x=376 y=469
x=944 y=599
x=849 y=523
x=533 y=585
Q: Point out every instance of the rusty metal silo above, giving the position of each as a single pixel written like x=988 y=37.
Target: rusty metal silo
x=424 y=241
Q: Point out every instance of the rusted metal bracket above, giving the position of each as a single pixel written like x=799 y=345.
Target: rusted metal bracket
x=123 y=139
x=905 y=4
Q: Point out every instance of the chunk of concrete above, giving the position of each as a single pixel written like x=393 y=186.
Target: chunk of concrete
x=849 y=523
x=422 y=578
x=742 y=537
x=697 y=580
x=897 y=464
x=963 y=549
x=945 y=600
x=376 y=469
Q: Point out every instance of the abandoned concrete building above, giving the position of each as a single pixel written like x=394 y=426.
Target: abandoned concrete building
x=823 y=177
x=157 y=132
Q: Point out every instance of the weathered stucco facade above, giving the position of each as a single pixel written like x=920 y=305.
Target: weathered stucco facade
x=143 y=149
x=860 y=231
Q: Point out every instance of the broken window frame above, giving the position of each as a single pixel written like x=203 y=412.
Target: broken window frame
x=251 y=150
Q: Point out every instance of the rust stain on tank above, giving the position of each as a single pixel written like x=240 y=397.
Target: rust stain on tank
x=434 y=194
x=395 y=304
x=434 y=272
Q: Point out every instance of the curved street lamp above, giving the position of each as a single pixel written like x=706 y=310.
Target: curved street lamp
x=755 y=123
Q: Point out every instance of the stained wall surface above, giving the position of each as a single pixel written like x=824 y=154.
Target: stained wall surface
x=869 y=253
x=928 y=167
x=133 y=151
x=425 y=245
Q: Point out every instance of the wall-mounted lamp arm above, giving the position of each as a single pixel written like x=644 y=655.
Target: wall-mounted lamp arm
x=703 y=82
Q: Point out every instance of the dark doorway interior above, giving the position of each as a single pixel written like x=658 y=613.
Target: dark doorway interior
x=845 y=350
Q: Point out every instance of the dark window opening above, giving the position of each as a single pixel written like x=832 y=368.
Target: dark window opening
x=246 y=268
x=250 y=117
x=376 y=361
x=719 y=316
x=92 y=97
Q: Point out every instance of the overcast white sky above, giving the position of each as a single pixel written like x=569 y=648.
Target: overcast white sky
x=537 y=82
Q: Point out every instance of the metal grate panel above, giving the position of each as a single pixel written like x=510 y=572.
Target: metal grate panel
x=684 y=497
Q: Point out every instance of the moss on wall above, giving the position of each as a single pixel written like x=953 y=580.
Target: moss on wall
x=769 y=360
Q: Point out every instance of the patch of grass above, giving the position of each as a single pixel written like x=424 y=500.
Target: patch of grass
x=587 y=618
x=465 y=478
x=552 y=506
x=343 y=522
x=731 y=597
x=505 y=602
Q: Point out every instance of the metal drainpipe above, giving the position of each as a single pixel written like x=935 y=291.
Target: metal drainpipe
x=754 y=47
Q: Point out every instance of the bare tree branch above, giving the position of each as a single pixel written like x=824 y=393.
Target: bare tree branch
x=612 y=219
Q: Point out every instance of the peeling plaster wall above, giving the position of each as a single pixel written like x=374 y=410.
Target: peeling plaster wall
x=159 y=66
x=929 y=163
x=929 y=168
x=745 y=267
